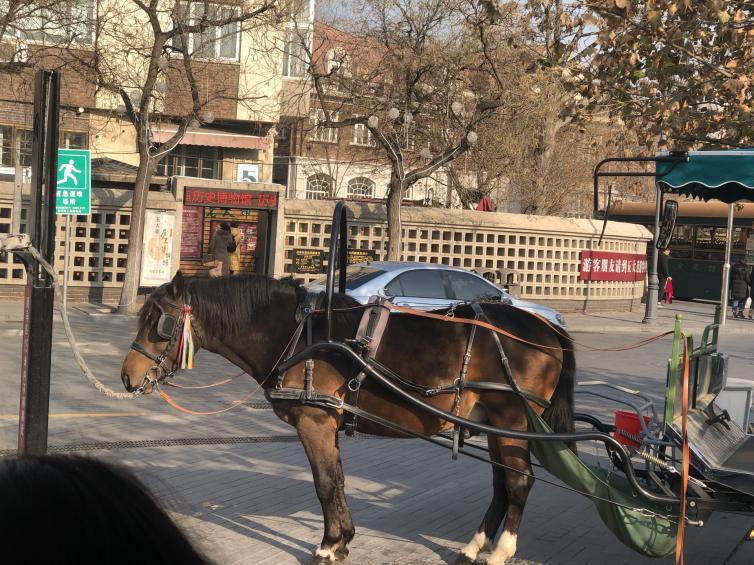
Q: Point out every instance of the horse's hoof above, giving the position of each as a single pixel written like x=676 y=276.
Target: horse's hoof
x=341 y=553
x=323 y=557
x=463 y=559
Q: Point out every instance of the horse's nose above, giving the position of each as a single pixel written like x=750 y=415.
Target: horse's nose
x=127 y=381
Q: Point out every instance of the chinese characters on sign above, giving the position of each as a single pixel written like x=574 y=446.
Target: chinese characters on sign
x=310 y=261
x=157 y=249
x=191 y=236
x=361 y=256
x=313 y=261
x=611 y=266
x=73 y=182
x=230 y=198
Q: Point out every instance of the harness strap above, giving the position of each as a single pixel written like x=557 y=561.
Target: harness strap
x=368 y=337
x=461 y=382
x=139 y=348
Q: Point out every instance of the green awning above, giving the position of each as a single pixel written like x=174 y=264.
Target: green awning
x=722 y=175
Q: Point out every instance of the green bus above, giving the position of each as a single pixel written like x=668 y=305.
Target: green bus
x=698 y=244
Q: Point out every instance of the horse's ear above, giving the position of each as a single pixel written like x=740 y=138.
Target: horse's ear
x=178 y=285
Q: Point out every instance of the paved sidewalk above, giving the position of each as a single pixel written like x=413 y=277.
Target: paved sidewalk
x=242 y=486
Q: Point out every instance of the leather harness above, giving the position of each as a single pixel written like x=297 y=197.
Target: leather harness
x=366 y=344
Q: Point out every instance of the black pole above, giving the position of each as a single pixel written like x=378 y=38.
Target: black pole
x=338 y=234
x=39 y=293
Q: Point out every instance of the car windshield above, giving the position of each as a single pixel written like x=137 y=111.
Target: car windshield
x=356 y=275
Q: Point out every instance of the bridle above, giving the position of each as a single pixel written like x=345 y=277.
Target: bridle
x=169 y=327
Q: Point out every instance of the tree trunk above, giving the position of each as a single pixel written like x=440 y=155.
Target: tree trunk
x=130 y=289
x=394 y=199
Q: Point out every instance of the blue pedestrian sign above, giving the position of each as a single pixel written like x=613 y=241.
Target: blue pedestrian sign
x=74 y=175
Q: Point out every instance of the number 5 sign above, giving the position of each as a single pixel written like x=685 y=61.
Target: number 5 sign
x=74 y=182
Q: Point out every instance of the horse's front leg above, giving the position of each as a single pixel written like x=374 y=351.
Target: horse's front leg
x=318 y=431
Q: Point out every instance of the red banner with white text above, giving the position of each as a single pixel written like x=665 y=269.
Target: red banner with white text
x=612 y=266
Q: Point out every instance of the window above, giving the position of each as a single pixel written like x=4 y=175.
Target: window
x=361 y=135
x=24 y=141
x=469 y=287
x=15 y=138
x=356 y=276
x=319 y=187
x=321 y=132
x=191 y=161
x=425 y=283
x=216 y=41
x=295 y=61
x=361 y=187
x=74 y=140
x=67 y=21
x=6 y=146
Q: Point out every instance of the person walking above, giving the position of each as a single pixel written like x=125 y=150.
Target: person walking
x=751 y=294
x=218 y=248
x=663 y=272
x=235 y=254
x=739 y=287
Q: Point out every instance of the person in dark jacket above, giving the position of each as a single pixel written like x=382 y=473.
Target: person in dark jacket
x=218 y=247
x=739 y=287
x=751 y=294
x=663 y=271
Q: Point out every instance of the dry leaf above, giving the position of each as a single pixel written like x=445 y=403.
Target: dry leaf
x=622 y=3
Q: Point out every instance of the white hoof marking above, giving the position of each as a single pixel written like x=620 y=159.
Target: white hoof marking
x=325 y=554
x=506 y=548
x=477 y=544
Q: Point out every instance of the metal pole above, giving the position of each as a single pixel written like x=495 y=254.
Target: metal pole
x=653 y=281
x=38 y=300
x=66 y=251
x=726 y=267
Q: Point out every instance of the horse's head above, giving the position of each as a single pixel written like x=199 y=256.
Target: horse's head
x=153 y=356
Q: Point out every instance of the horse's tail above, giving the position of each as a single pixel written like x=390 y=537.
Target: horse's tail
x=559 y=415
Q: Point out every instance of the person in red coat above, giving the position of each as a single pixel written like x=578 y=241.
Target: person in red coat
x=663 y=271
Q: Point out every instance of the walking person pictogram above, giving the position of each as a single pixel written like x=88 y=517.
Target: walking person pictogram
x=68 y=169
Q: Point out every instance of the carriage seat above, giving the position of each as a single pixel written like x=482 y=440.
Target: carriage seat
x=719 y=448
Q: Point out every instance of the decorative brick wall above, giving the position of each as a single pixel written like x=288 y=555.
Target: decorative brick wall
x=98 y=246
x=543 y=250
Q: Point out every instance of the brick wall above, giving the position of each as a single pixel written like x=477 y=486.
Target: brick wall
x=218 y=83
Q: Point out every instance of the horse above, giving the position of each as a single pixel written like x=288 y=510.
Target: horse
x=251 y=321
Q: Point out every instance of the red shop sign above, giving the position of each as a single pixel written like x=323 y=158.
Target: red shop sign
x=230 y=198
x=611 y=266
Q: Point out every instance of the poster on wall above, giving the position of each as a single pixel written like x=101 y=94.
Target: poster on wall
x=192 y=232
x=157 y=248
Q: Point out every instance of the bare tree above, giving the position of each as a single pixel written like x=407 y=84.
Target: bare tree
x=406 y=70
x=149 y=55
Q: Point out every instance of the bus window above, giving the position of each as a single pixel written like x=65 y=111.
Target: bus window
x=682 y=242
x=710 y=242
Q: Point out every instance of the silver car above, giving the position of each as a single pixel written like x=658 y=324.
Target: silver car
x=427 y=286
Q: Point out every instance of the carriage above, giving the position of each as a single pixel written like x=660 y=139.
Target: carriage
x=329 y=364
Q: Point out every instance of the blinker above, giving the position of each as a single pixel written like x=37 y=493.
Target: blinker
x=166 y=326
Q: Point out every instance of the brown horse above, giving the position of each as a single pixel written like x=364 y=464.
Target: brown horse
x=249 y=320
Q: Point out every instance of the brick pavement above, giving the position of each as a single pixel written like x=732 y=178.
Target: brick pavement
x=255 y=503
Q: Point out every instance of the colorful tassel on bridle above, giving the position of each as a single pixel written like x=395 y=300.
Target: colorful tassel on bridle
x=186 y=348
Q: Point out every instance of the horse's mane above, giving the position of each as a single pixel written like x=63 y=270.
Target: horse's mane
x=225 y=305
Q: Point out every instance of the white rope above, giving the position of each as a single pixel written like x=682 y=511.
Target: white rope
x=108 y=392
